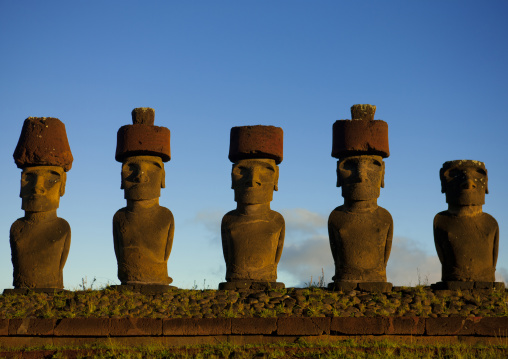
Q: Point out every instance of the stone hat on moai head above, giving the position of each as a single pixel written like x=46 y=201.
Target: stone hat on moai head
x=142 y=138
x=362 y=135
x=259 y=141
x=43 y=142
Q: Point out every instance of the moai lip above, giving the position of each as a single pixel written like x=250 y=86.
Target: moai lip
x=466 y=238
x=253 y=234
x=360 y=231
x=40 y=241
x=143 y=231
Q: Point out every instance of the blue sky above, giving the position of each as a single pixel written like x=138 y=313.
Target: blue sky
x=436 y=70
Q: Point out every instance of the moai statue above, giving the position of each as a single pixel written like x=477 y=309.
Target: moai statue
x=143 y=231
x=360 y=231
x=466 y=238
x=40 y=240
x=253 y=234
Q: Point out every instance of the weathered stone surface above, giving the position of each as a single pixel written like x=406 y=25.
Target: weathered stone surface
x=135 y=326
x=32 y=326
x=466 y=238
x=198 y=326
x=142 y=138
x=375 y=286
x=250 y=285
x=87 y=327
x=360 y=136
x=149 y=289
x=143 y=230
x=4 y=327
x=405 y=326
x=245 y=326
x=359 y=326
x=40 y=240
x=343 y=286
x=360 y=231
x=43 y=142
x=253 y=234
x=256 y=142
x=450 y=326
x=303 y=326
x=492 y=326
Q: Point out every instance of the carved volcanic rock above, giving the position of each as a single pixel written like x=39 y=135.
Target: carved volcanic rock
x=256 y=142
x=43 y=142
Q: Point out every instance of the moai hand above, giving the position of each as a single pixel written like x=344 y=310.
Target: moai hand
x=40 y=241
x=466 y=238
x=360 y=231
x=143 y=231
x=253 y=234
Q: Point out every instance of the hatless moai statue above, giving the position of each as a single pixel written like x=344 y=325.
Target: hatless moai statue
x=253 y=234
x=143 y=231
x=360 y=231
x=466 y=238
x=40 y=240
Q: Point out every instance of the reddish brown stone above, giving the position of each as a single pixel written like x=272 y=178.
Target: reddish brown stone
x=253 y=325
x=360 y=137
x=303 y=326
x=135 y=326
x=43 y=142
x=143 y=140
x=359 y=326
x=4 y=327
x=405 y=326
x=89 y=327
x=492 y=327
x=256 y=142
x=450 y=326
x=196 y=326
x=31 y=326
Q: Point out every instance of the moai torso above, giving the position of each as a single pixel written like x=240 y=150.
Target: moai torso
x=143 y=241
x=467 y=246
x=360 y=244
x=252 y=245
x=39 y=252
x=466 y=238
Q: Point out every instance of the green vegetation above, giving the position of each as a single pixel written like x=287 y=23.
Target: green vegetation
x=344 y=349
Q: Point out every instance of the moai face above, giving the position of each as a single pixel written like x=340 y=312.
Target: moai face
x=361 y=177
x=254 y=180
x=464 y=182
x=41 y=188
x=143 y=177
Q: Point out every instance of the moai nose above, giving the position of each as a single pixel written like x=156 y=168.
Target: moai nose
x=141 y=177
x=39 y=186
x=468 y=183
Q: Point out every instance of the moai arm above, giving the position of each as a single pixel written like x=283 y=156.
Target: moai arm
x=116 y=236
x=65 y=252
x=223 y=234
x=333 y=241
x=388 y=246
x=171 y=234
x=280 y=245
x=437 y=242
x=496 y=247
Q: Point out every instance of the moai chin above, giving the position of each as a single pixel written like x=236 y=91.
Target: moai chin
x=466 y=238
x=40 y=240
x=253 y=234
x=143 y=231
x=360 y=231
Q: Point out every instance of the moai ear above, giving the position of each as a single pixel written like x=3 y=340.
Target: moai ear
x=383 y=174
x=63 y=180
x=443 y=180
x=232 y=168
x=276 y=179
x=163 y=179
x=338 y=175
x=486 y=182
x=122 y=186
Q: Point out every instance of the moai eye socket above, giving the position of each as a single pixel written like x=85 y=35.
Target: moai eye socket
x=348 y=165
x=481 y=171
